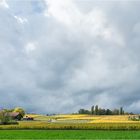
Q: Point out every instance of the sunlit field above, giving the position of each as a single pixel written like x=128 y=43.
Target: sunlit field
x=94 y=119
x=77 y=122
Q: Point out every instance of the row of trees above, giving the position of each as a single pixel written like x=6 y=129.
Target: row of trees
x=95 y=110
x=101 y=111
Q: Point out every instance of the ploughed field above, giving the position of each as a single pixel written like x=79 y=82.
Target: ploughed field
x=76 y=122
x=67 y=134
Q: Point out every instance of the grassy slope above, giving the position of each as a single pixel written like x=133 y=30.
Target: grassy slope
x=68 y=134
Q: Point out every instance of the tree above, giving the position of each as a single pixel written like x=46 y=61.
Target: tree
x=96 y=110
x=92 y=110
x=20 y=110
x=101 y=111
x=121 y=111
x=108 y=112
x=4 y=117
x=8 y=110
x=115 y=112
x=83 y=111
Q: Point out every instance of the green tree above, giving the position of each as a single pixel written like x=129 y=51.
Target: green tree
x=96 y=110
x=83 y=111
x=4 y=117
x=20 y=110
x=101 y=111
x=121 y=111
x=115 y=112
x=92 y=110
x=108 y=112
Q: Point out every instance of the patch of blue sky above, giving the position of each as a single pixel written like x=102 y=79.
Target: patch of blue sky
x=38 y=6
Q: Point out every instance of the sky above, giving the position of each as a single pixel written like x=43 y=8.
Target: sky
x=57 y=56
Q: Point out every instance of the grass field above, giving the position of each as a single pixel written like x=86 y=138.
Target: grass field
x=67 y=134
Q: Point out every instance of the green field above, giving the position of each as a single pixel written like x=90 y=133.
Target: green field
x=68 y=134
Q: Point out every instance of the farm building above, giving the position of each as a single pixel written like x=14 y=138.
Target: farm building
x=15 y=115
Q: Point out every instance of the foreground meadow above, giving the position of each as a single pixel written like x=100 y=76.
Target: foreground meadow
x=67 y=134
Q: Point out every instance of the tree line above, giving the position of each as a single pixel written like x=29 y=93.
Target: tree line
x=95 y=110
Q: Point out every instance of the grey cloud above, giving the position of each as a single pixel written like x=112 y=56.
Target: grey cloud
x=54 y=64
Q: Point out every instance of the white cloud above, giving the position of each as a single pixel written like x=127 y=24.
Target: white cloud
x=93 y=23
x=63 y=11
x=21 y=20
x=3 y=3
x=30 y=47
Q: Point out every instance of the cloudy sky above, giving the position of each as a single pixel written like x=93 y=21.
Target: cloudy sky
x=57 y=56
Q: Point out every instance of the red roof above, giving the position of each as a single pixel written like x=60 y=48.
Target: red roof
x=13 y=114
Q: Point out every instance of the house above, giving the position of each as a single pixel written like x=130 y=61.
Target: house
x=134 y=117
x=15 y=115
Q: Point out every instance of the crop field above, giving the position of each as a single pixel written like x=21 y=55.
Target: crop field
x=85 y=118
x=67 y=134
x=76 y=122
x=90 y=118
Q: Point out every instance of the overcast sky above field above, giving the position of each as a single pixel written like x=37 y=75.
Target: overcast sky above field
x=63 y=55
